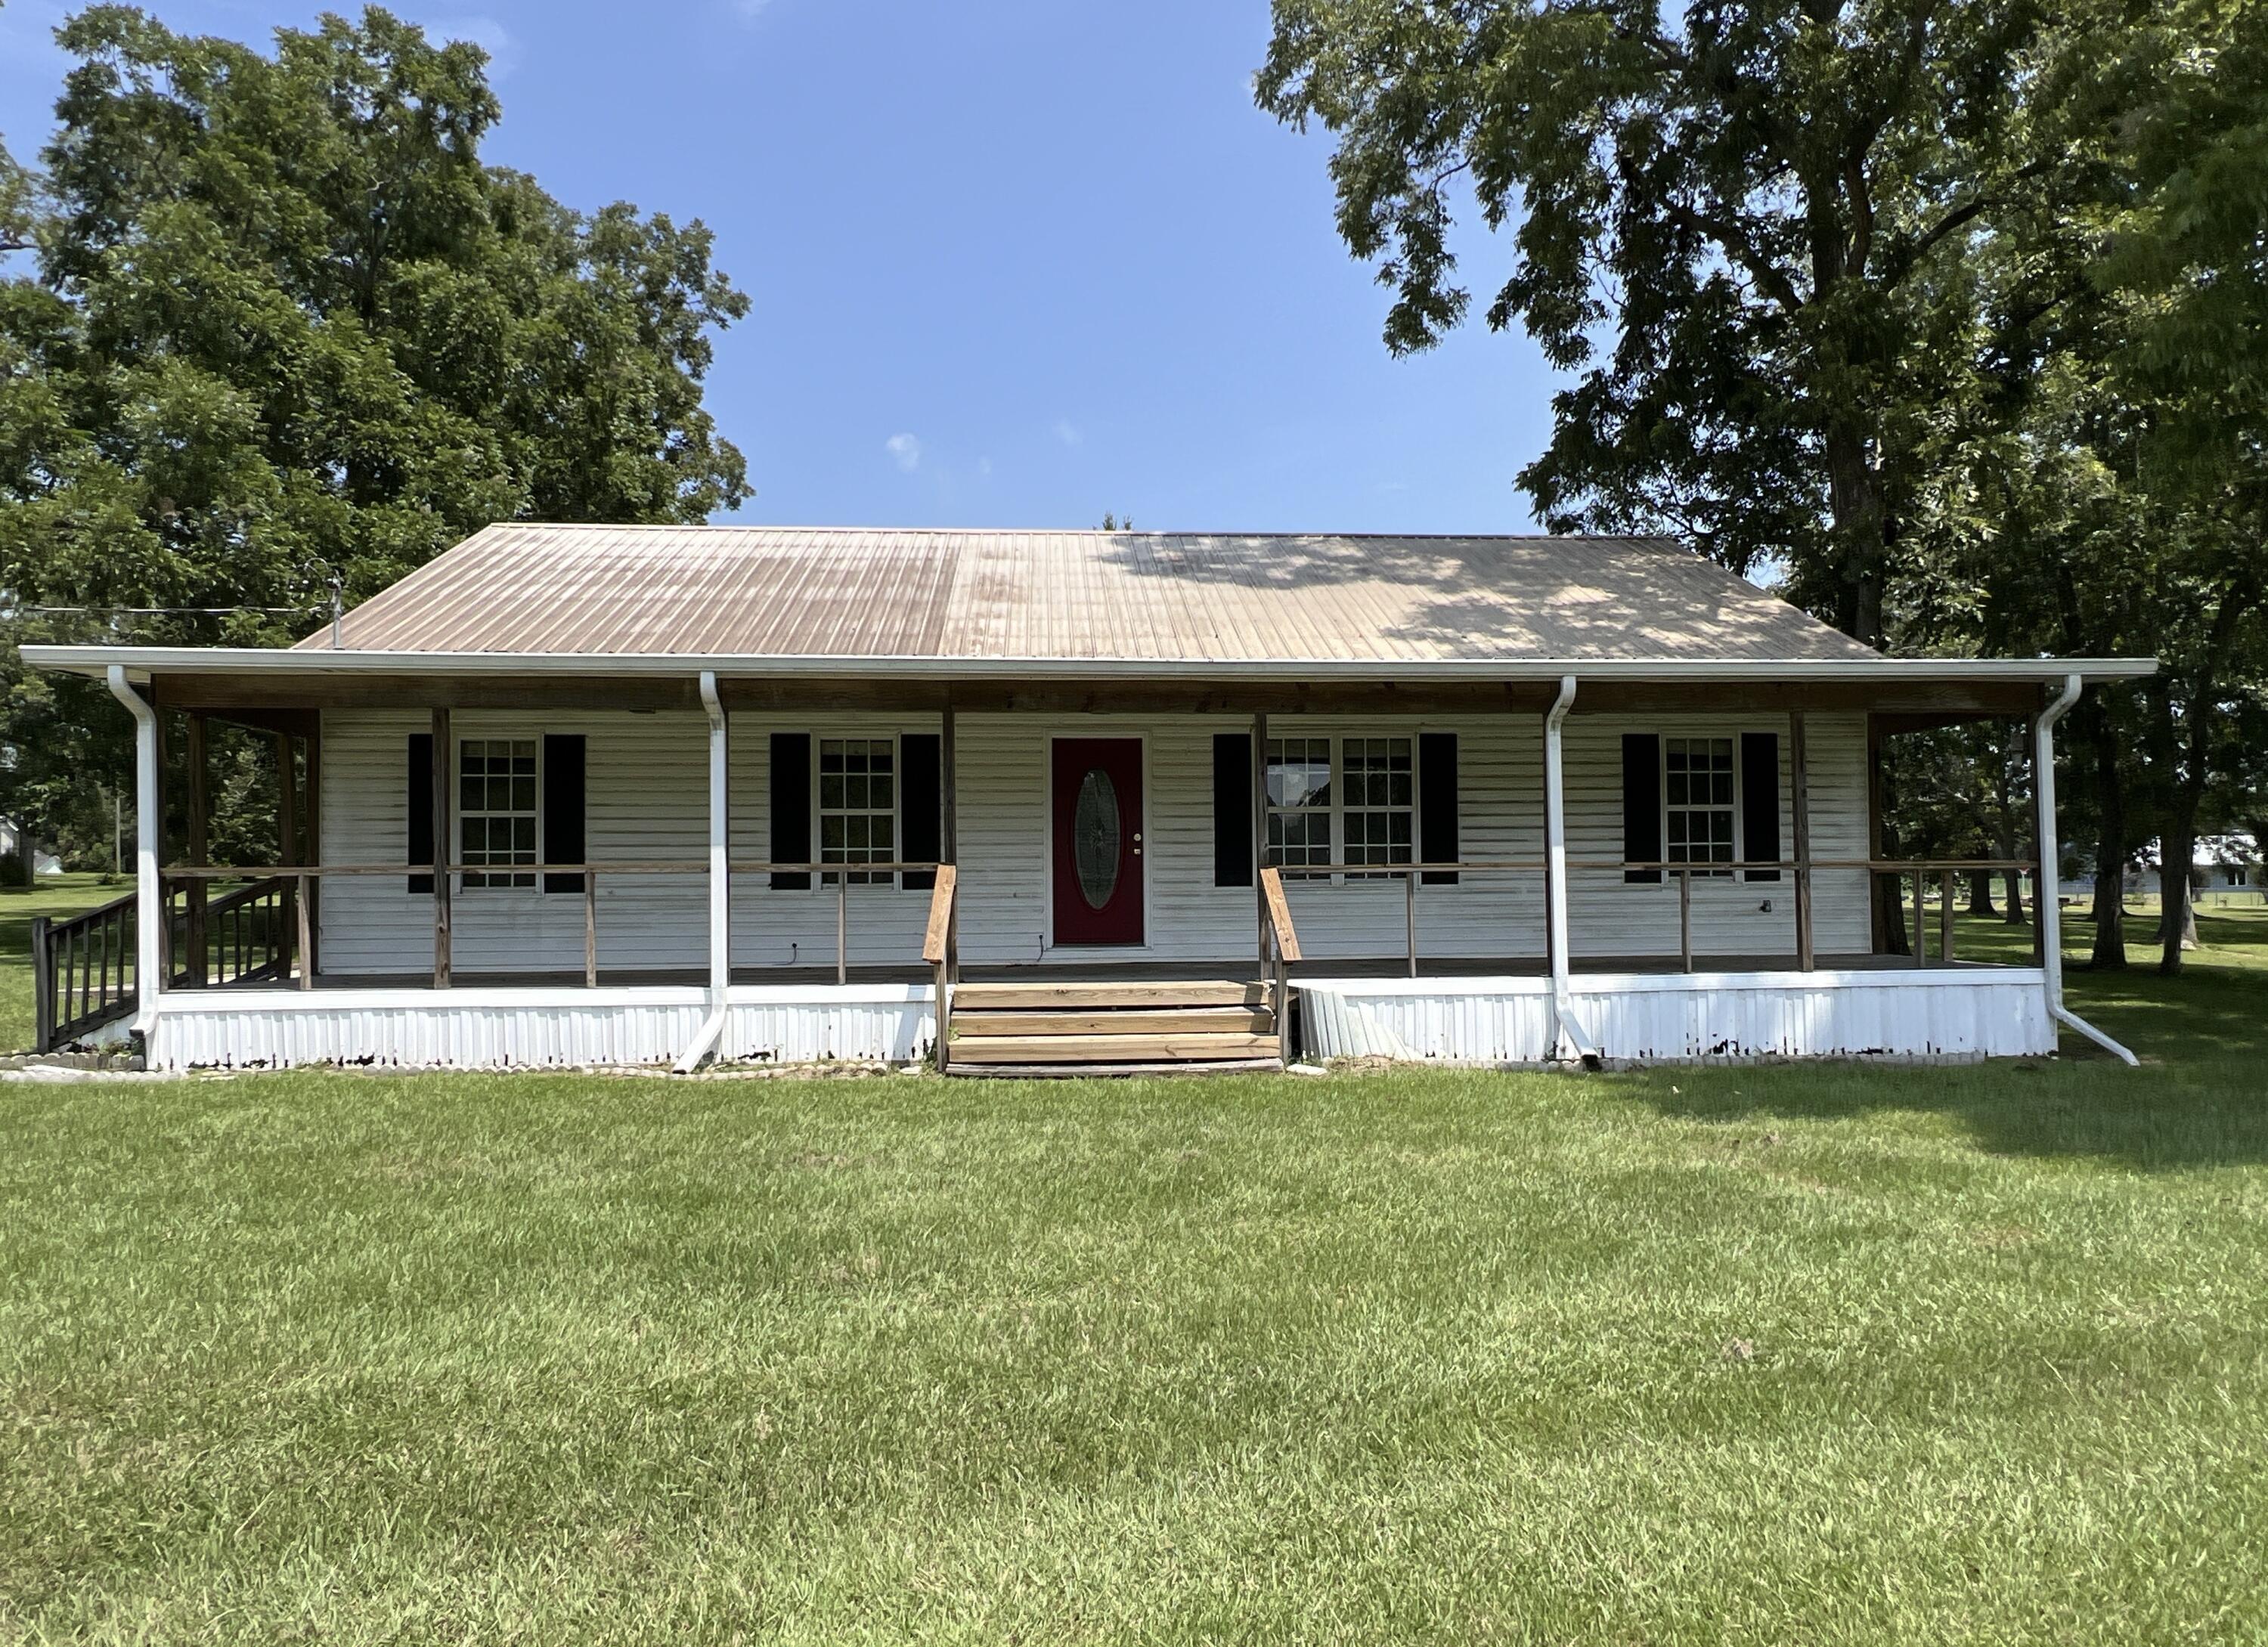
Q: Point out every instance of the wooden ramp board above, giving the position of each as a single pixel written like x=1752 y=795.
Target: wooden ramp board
x=986 y=997
x=1138 y=1048
x=1082 y=1071
x=1147 y=1020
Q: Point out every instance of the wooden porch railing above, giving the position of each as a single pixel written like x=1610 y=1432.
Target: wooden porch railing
x=83 y=972
x=298 y=881
x=1282 y=948
x=941 y=949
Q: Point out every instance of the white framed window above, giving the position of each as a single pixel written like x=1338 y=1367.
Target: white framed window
x=1298 y=801
x=1699 y=802
x=1379 y=799
x=496 y=810
x=857 y=794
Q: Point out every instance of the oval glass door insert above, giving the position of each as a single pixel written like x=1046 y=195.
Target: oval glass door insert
x=1095 y=835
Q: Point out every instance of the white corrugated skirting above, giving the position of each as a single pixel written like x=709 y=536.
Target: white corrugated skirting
x=1928 y=1012
x=499 y=1029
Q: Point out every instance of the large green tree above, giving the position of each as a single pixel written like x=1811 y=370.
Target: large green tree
x=1737 y=224
x=287 y=327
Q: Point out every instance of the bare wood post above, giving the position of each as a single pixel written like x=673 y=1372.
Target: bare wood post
x=306 y=949
x=1945 y=917
x=311 y=961
x=843 y=926
x=1685 y=919
x=443 y=768
x=199 y=846
x=1409 y=917
x=589 y=928
x=1920 y=929
x=43 y=986
x=1799 y=787
x=287 y=837
x=937 y=949
x=1260 y=827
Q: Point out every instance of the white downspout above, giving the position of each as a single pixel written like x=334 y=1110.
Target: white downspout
x=720 y=886
x=2051 y=854
x=1555 y=855
x=149 y=909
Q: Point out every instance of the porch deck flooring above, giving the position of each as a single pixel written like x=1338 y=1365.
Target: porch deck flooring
x=1130 y=971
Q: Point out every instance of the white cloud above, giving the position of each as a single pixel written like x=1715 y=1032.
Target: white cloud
x=750 y=9
x=482 y=31
x=1067 y=432
x=905 y=450
x=984 y=468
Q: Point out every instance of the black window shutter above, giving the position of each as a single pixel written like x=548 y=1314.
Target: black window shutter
x=921 y=805
x=1437 y=805
x=564 y=836
x=1641 y=804
x=791 y=809
x=1760 y=801
x=420 y=791
x=1232 y=809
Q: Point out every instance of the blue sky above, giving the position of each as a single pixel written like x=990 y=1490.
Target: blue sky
x=1014 y=263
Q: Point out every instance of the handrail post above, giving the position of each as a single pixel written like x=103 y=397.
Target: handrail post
x=303 y=908
x=1685 y=919
x=589 y=928
x=43 y=987
x=1921 y=925
x=1409 y=916
x=1945 y=917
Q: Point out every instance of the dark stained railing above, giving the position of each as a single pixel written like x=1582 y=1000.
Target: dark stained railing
x=82 y=971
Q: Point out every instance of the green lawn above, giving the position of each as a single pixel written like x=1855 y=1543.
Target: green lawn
x=56 y=894
x=1795 y=1354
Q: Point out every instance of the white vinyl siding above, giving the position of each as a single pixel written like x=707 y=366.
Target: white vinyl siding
x=647 y=799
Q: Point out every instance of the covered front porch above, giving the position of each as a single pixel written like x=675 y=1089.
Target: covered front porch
x=1497 y=905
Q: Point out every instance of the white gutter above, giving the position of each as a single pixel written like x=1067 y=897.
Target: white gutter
x=720 y=886
x=805 y=667
x=2051 y=854
x=1555 y=849
x=149 y=912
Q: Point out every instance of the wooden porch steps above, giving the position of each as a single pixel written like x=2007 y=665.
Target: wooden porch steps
x=1028 y=1029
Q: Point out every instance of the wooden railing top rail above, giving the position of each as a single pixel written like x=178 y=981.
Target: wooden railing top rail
x=940 y=915
x=60 y=924
x=688 y=866
x=1279 y=913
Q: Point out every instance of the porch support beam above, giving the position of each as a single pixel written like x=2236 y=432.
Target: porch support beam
x=720 y=884
x=2044 y=798
x=444 y=768
x=1799 y=782
x=1260 y=829
x=949 y=835
x=1564 y=1028
x=149 y=901
x=287 y=834
x=199 y=846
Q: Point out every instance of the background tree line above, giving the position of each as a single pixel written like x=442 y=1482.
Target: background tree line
x=272 y=328
x=1949 y=316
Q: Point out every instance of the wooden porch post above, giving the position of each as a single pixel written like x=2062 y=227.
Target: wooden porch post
x=199 y=845
x=1800 y=787
x=311 y=886
x=949 y=835
x=1555 y=857
x=287 y=835
x=720 y=855
x=444 y=768
x=1260 y=829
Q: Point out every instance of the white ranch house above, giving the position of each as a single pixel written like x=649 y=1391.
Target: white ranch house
x=599 y=795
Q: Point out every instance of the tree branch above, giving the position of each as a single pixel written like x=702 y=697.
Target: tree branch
x=1737 y=246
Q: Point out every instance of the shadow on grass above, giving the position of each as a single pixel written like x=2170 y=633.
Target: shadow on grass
x=2199 y=1099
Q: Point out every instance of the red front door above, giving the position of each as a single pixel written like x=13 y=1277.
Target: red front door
x=1095 y=797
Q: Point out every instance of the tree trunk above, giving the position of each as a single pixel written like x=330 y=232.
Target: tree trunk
x=1854 y=497
x=2176 y=909
x=1980 y=894
x=2109 y=953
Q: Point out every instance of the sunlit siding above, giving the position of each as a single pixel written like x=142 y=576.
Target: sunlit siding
x=647 y=799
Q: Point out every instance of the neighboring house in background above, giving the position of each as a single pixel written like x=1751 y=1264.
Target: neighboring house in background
x=628 y=795
x=44 y=864
x=2226 y=865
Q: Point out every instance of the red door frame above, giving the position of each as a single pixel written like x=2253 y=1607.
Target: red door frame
x=1123 y=920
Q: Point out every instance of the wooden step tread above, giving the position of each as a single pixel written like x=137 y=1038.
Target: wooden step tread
x=1066 y=1049
x=1193 y=992
x=1085 y=1071
x=1134 y=1021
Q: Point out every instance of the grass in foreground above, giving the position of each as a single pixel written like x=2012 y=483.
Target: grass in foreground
x=1796 y=1354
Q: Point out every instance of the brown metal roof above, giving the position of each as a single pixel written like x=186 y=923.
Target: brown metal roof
x=1179 y=598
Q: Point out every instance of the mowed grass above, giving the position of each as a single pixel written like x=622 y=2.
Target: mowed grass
x=1810 y=1353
